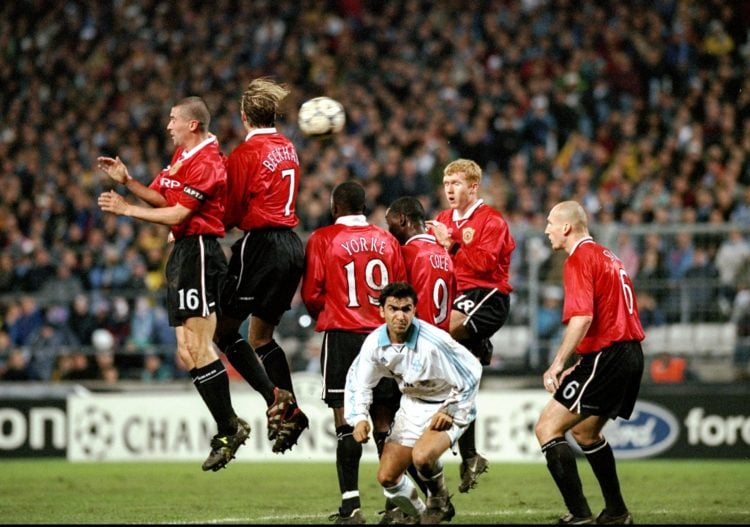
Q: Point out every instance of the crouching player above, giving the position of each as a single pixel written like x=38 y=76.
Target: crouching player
x=439 y=380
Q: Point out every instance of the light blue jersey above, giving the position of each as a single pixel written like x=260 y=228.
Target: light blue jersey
x=430 y=367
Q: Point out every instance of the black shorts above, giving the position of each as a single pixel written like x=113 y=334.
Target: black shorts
x=486 y=311
x=605 y=383
x=264 y=271
x=195 y=273
x=339 y=349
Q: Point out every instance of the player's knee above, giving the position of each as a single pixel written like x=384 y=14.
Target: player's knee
x=226 y=340
x=545 y=431
x=585 y=436
x=422 y=458
x=387 y=478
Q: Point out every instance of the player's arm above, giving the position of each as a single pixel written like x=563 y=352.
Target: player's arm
x=362 y=376
x=118 y=172
x=576 y=329
x=112 y=202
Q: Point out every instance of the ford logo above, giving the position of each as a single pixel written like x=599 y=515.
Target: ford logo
x=650 y=430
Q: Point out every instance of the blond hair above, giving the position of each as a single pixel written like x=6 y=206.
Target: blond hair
x=260 y=101
x=472 y=171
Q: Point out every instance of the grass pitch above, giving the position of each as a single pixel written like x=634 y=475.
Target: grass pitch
x=58 y=492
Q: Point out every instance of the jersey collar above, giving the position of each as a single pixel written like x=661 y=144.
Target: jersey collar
x=426 y=237
x=352 y=220
x=411 y=339
x=190 y=153
x=258 y=131
x=469 y=212
x=583 y=240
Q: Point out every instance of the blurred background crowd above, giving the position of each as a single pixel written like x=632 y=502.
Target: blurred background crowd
x=639 y=110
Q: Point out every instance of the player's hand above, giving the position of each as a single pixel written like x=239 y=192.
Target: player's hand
x=439 y=230
x=361 y=432
x=114 y=168
x=112 y=202
x=551 y=378
x=441 y=421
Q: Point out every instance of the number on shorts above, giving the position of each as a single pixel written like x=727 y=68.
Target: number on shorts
x=189 y=299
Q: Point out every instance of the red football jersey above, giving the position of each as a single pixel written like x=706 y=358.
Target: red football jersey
x=196 y=179
x=429 y=269
x=485 y=247
x=596 y=284
x=263 y=178
x=347 y=264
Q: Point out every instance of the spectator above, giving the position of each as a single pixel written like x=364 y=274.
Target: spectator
x=81 y=322
x=81 y=368
x=700 y=285
x=741 y=318
x=732 y=254
x=24 y=319
x=51 y=339
x=155 y=369
x=16 y=367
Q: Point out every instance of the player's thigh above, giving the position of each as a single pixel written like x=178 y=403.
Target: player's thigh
x=430 y=446
x=554 y=421
x=394 y=461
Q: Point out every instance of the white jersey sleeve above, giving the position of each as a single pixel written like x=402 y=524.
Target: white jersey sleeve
x=363 y=375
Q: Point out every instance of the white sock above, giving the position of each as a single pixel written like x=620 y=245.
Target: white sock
x=405 y=496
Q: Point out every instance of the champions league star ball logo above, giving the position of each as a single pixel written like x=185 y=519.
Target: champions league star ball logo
x=94 y=432
x=521 y=423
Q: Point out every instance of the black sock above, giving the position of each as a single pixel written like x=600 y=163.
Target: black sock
x=467 y=443
x=275 y=363
x=242 y=357
x=212 y=383
x=348 y=454
x=561 y=463
x=602 y=462
x=414 y=473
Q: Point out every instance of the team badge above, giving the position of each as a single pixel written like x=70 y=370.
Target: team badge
x=468 y=235
x=173 y=169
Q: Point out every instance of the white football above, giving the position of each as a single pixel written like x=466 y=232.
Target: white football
x=321 y=116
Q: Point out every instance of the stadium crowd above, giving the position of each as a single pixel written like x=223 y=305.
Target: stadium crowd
x=638 y=110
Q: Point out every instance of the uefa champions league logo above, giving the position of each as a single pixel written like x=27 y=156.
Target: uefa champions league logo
x=94 y=432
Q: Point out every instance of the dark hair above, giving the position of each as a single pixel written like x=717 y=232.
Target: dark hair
x=195 y=107
x=397 y=290
x=410 y=207
x=349 y=197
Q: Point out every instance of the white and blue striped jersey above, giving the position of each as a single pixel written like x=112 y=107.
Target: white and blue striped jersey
x=430 y=367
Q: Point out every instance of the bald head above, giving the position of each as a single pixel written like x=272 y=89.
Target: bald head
x=572 y=212
x=566 y=224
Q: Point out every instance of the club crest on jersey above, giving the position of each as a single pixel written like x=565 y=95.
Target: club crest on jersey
x=174 y=168
x=468 y=235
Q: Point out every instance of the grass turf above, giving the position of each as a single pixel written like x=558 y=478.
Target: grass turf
x=57 y=492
